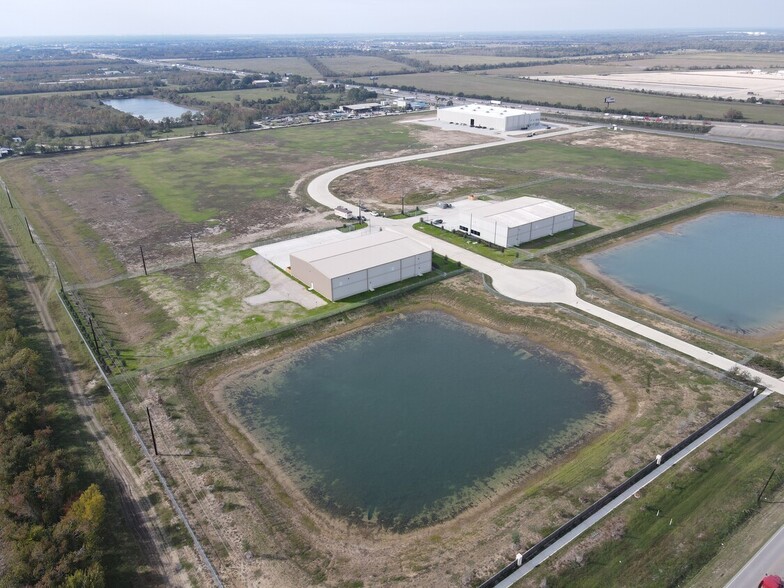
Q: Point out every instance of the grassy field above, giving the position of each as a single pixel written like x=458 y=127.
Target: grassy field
x=608 y=64
x=280 y=65
x=502 y=87
x=353 y=65
x=193 y=308
x=216 y=188
x=257 y=94
x=622 y=187
x=458 y=59
x=682 y=519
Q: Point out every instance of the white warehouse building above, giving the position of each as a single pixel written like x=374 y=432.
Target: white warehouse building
x=358 y=264
x=512 y=222
x=496 y=118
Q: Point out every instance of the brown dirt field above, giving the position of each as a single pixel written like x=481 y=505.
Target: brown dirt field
x=657 y=400
x=383 y=187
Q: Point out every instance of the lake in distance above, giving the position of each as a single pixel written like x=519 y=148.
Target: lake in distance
x=724 y=268
x=150 y=108
x=407 y=421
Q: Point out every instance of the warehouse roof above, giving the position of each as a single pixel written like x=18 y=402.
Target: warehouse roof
x=520 y=211
x=359 y=253
x=491 y=111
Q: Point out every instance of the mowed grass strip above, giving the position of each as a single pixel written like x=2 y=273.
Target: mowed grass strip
x=706 y=498
x=566 y=95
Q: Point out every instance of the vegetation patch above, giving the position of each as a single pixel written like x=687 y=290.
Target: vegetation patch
x=665 y=537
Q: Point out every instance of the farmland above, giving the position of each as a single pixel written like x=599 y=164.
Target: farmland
x=499 y=85
x=279 y=65
x=353 y=65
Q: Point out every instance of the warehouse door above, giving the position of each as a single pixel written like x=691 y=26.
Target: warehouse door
x=472 y=122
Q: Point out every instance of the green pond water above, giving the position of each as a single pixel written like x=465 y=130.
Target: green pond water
x=724 y=268
x=411 y=420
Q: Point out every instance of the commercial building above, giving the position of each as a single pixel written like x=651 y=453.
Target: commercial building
x=483 y=116
x=344 y=268
x=365 y=108
x=512 y=222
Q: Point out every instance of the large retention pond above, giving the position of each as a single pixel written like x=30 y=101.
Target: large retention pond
x=150 y=108
x=409 y=421
x=724 y=268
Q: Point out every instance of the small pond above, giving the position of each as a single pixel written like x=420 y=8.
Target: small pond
x=724 y=268
x=150 y=108
x=413 y=419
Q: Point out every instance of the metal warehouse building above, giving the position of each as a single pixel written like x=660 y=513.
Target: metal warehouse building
x=496 y=118
x=512 y=222
x=342 y=269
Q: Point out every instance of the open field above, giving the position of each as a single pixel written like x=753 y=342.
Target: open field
x=671 y=62
x=682 y=520
x=99 y=207
x=461 y=59
x=279 y=65
x=513 y=88
x=612 y=179
x=353 y=65
x=735 y=85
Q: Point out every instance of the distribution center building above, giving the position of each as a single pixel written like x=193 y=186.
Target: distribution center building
x=511 y=222
x=358 y=264
x=497 y=118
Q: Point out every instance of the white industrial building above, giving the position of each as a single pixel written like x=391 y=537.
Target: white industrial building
x=512 y=222
x=344 y=268
x=496 y=118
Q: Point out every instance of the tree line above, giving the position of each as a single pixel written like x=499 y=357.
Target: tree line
x=52 y=527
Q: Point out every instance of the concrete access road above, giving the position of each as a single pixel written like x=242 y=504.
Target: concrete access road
x=768 y=560
x=524 y=285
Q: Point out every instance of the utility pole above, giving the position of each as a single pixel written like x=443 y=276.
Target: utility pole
x=30 y=231
x=59 y=277
x=193 y=249
x=759 y=496
x=144 y=263
x=152 y=432
x=95 y=337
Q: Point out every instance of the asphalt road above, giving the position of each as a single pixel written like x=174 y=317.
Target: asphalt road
x=768 y=560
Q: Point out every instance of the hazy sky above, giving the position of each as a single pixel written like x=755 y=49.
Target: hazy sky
x=175 y=17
